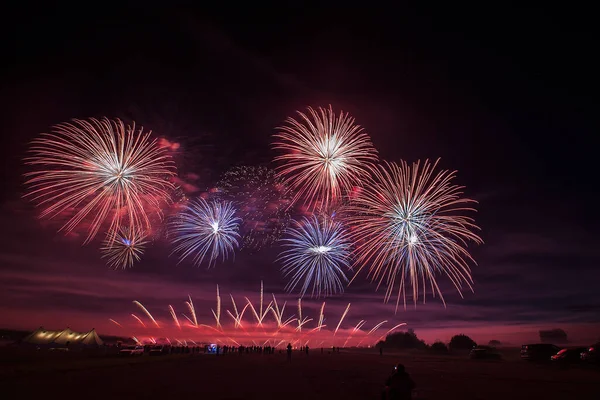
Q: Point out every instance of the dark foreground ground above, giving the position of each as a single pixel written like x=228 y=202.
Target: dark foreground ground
x=255 y=376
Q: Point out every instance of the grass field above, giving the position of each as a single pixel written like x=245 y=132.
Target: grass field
x=254 y=376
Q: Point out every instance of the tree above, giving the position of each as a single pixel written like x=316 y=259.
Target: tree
x=461 y=341
x=495 y=343
x=439 y=348
x=553 y=335
x=404 y=340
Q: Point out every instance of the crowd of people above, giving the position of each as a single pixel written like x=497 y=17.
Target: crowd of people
x=243 y=349
x=221 y=350
x=398 y=386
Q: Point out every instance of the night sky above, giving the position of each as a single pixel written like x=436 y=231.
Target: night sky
x=507 y=97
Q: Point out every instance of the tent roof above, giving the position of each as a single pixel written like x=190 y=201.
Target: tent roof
x=60 y=338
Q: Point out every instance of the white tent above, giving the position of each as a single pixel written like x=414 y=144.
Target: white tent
x=64 y=338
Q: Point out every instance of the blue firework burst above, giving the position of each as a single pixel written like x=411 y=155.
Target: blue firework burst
x=206 y=230
x=317 y=256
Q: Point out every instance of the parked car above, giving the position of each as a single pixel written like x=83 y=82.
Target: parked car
x=159 y=350
x=538 y=351
x=132 y=351
x=484 y=353
x=568 y=356
x=590 y=355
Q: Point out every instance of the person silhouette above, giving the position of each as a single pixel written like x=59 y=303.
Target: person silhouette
x=289 y=352
x=399 y=385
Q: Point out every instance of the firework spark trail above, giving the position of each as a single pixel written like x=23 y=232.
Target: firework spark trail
x=341 y=319
x=205 y=229
x=189 y=320
x=123 y=248
x=190 y=306
x=317 y=329
x=390 y=331
x=321 y=316
x=115 y=322
x=217 y=314
x=260 y=316
x=317 y=255
x=172 y=311
x=209 y=327
x=323 y=156
x=299 y=315
x=373 y=329
x=377 y=327
x=408 y=224
x=237 y=318
x=278 y=314
x=139 y=320
x=301 y=321
x=137 y=303
x=97 y=171
x=356 y=328
x=313 y=330
x=262 y=297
